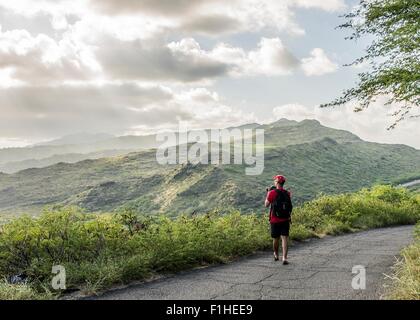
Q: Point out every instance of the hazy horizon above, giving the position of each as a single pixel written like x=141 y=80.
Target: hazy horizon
x=53 y=139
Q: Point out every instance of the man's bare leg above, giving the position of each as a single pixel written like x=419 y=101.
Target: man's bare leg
x=276 y=247
x=284 y=244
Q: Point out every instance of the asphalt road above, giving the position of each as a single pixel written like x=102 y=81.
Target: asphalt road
x=411 y=183
x=318 y=269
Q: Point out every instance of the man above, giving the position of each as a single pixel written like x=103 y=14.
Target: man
x=280 y=216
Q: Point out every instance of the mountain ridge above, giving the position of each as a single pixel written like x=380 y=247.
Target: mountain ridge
x=313 y=157
x=77 y=138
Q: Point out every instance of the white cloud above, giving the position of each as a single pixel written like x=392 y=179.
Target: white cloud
x=59 y=22
x=271 y=58
x=215 y=16
x=162 y=7
x=212 y=24
x=43 y=111
x=327 y=5
x=41 y=59
x=318 y=63
x=209 y=111
x=182 y=61
x=80 y=56
x=56 y=10
x=36 y=113
x=205 y=110
x=6 y=78
x=197 y=16
x=209 y=17
x=123 y=40
x=186 y=61
x=370 y=124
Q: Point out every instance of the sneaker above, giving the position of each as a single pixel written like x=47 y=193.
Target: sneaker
x=276 y=257
x=285 y=262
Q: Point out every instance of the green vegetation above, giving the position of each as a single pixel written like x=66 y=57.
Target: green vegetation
x=314 y=158
x=406 y=278
x=100 y=250
x=393 y=55
x=415 y=188
x=15 y=166
x=381 y=206
x=21 y=292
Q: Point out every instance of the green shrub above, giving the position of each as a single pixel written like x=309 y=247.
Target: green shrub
x=379 y=206
x=300 y=232
x=99 y=250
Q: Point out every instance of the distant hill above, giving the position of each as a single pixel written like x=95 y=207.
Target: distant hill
x=49 y=151
x=73 y=148
x=82 y=146
x=78 y=138
x=313 y=157
x=15 y=166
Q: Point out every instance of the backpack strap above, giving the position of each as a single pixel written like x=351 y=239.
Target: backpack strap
x=281 y=191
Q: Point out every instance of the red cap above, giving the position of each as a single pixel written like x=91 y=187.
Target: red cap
x=280 y=179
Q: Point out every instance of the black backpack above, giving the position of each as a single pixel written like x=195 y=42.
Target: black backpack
x=282 y=206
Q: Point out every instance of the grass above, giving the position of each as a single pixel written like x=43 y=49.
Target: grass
x=406 y=277
x=21 y=292
x=102 y=250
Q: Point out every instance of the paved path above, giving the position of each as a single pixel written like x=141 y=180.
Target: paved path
x=411 y=183
x=318 y=269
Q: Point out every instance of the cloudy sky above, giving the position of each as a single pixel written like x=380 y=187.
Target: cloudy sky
x=139 y=66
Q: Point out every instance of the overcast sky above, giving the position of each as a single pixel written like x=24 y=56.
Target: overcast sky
x=139 y=66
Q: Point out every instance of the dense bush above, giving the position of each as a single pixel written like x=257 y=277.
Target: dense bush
x=99 y=250
x=369 y=208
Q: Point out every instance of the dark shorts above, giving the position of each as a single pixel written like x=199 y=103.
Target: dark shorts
x=280 y=229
